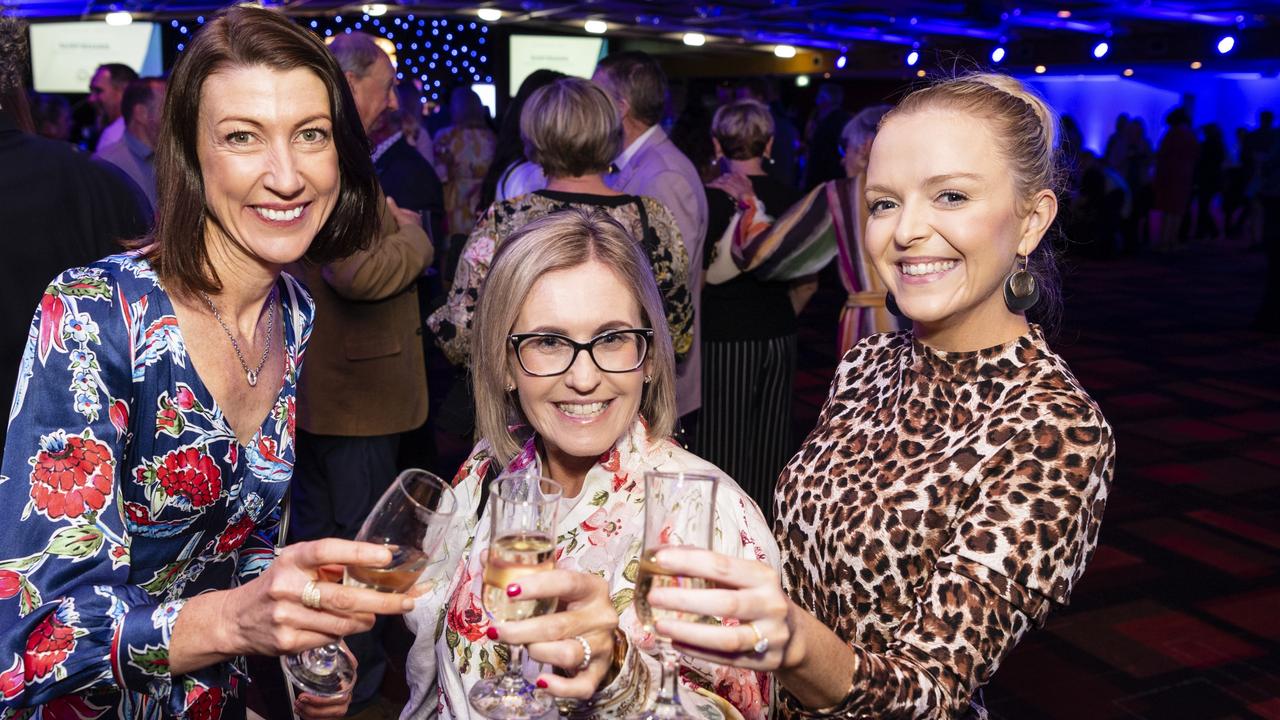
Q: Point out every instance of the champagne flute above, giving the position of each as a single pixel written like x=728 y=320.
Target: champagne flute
x=679 y=511
x=411 y=519
x=522 y=541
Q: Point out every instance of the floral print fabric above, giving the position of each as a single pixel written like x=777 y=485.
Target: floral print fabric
x=601 y=531
x=124 y=491
x=662 y=244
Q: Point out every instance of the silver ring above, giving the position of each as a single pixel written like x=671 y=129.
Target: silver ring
x=586 y=653
x=311 y=595
x=762 y=643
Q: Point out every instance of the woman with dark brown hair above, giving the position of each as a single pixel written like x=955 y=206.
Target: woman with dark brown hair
x=151 y=439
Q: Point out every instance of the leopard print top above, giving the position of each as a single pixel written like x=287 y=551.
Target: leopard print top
x=942 y=506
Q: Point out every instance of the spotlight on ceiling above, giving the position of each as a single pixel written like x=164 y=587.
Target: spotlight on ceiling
x=118 y=18
x=1040 y=69
x=997 y=55
x=374 y=9
x=489 y=14
x=1128 y=72
x=802 y=81
x=1226 y=44
x=596 y=27
x=1196 y=65
x=1100 y=50
x=784 y=51
x=920 y=73
x=913 y=57
x=842 y=61
x=695 y=39
x=1064 y=14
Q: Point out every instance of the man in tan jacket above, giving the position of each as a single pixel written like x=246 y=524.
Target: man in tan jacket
x=363 y=378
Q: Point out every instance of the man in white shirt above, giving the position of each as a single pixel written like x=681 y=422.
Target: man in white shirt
x=106 y=94
x=650 y=165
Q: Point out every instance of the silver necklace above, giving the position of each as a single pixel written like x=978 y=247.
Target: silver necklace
x=250 y=375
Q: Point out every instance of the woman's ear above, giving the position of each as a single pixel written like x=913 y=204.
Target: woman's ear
x=768 y=147
x=719 y=151
x=1044 y=208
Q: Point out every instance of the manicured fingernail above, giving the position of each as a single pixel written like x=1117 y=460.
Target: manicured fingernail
x=492 y=632
x=408 y=604
x=513 y=590
x=542 y=684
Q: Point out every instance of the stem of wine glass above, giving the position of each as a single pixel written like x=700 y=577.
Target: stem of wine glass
x=668 y=701
x=513 y=679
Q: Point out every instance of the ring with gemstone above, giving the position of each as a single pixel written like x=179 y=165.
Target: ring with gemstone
x=762 y=643
x=311 y=595
x=586 y=653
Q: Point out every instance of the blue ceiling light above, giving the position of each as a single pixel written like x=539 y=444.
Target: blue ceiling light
x=997 y=55
x=913 y=57
x=1226 y=44
x=1100 y=50
x=841 y=62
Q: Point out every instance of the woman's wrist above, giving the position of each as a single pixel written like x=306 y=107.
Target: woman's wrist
x=619 y=656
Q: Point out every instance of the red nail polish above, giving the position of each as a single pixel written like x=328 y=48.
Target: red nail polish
x=513 y=590
x=492 y=632
x=542 y=684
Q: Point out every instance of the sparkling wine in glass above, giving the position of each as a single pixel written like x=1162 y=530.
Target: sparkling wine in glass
x=522 y=541
x=679 y=511
x=411 y=520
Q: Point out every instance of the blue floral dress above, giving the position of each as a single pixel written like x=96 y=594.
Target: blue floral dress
x=123 y=492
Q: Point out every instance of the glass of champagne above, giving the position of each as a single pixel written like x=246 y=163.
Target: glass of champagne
x=411 y=519
x=679 y=511
x=522 y=541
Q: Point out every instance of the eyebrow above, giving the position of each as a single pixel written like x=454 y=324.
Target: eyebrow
x=255 y=123
x=600 y=329
x=932 y=180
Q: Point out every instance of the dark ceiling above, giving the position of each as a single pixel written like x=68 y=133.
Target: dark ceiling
x=1149 y=30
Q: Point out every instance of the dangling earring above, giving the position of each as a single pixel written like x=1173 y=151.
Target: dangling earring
x=510 y=387
x=892 y=306
x=647 y=378
x=1021 y=291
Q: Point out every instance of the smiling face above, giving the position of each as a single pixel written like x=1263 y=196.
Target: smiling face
x=944 y=228
x=268 y=161
x=579 y=414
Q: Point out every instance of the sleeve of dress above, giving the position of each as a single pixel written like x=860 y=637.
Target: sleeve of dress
x=451 y=323
x=74 y=621
x=671 y=269
x=1022 y=543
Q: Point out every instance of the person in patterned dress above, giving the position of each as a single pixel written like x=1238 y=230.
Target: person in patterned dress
x=151 y=437
x=571 y=130
x=578 y=273
x=952 y=492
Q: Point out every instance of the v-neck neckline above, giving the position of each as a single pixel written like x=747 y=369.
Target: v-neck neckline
x=287 y=389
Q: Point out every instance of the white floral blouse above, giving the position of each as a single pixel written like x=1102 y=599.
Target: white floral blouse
x=600 y=531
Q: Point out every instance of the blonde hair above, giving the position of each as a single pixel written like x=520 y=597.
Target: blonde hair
x=1025 y=130
x=743 y=129
x=560 y=241
x=571 y=128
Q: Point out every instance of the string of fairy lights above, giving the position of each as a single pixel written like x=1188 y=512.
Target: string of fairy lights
x=441 y=52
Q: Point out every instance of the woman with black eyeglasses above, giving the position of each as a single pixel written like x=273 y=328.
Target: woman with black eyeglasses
x=574 y=375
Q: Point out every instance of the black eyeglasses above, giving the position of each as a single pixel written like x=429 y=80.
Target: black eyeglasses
x=544 y=354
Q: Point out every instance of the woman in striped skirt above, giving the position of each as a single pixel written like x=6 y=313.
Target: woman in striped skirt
x=748 y=323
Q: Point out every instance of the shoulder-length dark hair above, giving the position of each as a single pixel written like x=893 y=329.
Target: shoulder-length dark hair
x=246 y=36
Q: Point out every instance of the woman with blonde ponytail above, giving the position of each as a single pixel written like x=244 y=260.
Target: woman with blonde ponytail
x=951 y=494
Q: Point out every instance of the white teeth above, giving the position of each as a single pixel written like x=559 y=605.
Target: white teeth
x=280 y=215
x=582 y=409
x=926 y=268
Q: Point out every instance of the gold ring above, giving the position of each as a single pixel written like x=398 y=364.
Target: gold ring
x=762 y=643
x=311 y=595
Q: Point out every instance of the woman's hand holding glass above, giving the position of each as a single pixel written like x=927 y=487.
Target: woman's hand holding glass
x=585 y=619
x=765 y=636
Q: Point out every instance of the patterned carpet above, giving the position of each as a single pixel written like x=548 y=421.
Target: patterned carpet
x=1178 y=616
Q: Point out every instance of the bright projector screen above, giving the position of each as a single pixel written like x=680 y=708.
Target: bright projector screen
x=64 y=55
x=575 y=56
